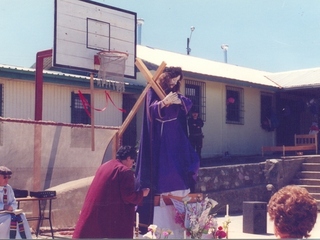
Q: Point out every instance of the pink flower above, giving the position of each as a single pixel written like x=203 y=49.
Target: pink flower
x=179 y=218
x=230 y=100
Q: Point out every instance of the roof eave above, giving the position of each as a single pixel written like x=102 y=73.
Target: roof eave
x=205 y=77
x=59 y=78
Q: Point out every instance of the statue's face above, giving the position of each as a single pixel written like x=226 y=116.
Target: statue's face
x=171 y=82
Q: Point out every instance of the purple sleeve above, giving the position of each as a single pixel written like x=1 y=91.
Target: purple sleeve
x=186 y=103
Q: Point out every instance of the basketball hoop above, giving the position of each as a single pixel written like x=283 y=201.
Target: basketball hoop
x=111 y=69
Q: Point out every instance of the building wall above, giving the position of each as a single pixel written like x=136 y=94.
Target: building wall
x=19 y=98
x=19 y=102
x=220 y=137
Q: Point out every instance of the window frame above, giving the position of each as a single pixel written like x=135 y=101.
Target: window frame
x=78 y=113
x=1 y=111
x=266 y=109
x=196 y=91
x=2 y=100
x=234 y=105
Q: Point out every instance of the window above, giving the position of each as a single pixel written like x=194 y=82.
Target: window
x=78 y=113
x=268 y=118
x=196 y=92
x=234 y=105
x=1 y=100
x=1 y=113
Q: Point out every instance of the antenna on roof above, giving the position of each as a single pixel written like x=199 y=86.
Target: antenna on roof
x=225 y=50
x=192 y=28
x=140 y=22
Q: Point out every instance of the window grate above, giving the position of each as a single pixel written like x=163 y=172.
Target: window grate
x=195 y=91
x=234 y=105
x=78 y=113
x=1 y=99
x=1 y=113
x=266 y=110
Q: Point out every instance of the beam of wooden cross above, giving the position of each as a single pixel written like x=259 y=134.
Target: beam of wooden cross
x=152 y=82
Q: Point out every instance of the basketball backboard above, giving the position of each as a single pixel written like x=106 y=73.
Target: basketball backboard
x=83 y=28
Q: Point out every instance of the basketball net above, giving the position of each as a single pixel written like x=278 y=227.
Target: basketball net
x=111 y=70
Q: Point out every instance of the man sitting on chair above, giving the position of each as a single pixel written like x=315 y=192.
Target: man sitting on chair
x=11 y=225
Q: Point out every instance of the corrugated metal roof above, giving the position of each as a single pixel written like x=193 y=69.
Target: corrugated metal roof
x=57 y=77
x=48 y=72
x=305 y=78
x=32 y=70
x=203 y=66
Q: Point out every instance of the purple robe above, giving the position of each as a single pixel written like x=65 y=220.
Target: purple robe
x=166 y=161
x=109 y=207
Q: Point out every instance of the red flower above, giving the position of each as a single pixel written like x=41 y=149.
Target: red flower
x=220 y=233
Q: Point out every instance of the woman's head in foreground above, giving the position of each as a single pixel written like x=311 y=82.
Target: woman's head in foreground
x=294 y=212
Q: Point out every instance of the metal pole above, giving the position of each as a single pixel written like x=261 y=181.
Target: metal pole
x=140 y=22
x=225 y=47
x=188 y=48
x=92 y=111
x=189 y=39
x=225 y=56
x=39 y=82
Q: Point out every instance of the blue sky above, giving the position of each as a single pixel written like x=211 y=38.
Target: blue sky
x=268 y=35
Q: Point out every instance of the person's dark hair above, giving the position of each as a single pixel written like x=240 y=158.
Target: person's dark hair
x=126 y=151
x=168 y=73
x=5 y=171
x=294 y=212
x=194 y=110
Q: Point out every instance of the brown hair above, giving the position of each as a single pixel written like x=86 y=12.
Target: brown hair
x=294 y=212
x=168 y=73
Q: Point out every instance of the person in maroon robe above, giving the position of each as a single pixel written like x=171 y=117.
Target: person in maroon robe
x=109 y=207
x=166 y=163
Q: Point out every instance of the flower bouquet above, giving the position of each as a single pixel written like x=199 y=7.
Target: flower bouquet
x=196 y=218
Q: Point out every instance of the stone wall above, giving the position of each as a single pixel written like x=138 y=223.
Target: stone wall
x=246 y=182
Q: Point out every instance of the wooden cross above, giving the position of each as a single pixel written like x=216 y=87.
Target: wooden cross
x=152 y=82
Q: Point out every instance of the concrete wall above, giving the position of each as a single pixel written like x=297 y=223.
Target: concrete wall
x=43 y=155
x=67 y=206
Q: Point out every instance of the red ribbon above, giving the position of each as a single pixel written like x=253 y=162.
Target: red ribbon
x=108 y=96
x=86 y=104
